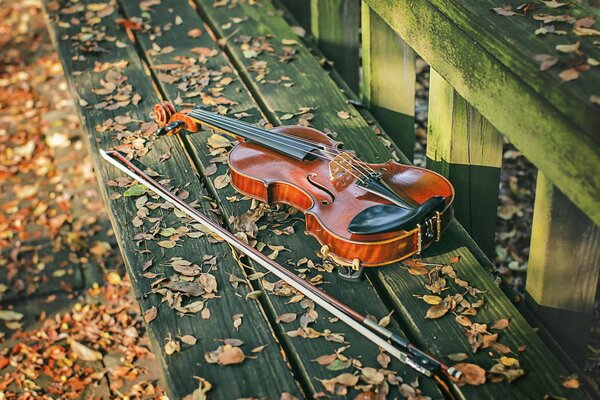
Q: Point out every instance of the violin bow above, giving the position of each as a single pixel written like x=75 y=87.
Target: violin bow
x=400 y=348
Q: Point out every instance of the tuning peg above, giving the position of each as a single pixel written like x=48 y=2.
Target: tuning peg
x=170 y=129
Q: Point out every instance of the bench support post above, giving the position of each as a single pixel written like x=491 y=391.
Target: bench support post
x=465 y=148
x=388 y=79
x=334 y=25
x=564 y=262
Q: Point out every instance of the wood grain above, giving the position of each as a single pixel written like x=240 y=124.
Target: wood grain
x=388 y=79
x=564 y=262
x=268 y=373
x=465 y=148
x=520 y=102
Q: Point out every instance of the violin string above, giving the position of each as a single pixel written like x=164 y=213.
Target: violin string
x=206 y=119
x=316 y=145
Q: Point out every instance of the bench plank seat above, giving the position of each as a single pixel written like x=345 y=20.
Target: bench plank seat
x=267 y=375
x=301 y=351
x=287 y=363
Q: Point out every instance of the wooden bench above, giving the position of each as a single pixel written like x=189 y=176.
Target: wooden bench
x=122 y=57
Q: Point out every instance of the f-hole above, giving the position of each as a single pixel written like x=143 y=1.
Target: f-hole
x=311 y=179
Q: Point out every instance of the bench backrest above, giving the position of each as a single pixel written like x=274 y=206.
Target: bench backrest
x=495 y=71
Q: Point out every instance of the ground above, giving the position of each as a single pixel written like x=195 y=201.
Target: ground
x=70 y=327
x=64 y=297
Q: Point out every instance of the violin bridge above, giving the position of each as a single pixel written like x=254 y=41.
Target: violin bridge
x=340 y=167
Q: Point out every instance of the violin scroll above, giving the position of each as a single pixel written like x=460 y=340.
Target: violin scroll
x=170 y=121
x=163 y=113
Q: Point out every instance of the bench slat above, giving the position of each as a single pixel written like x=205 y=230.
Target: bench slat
x=313 y=86
x=564 y=264
x=334 y=25
x=388 y=80
x=465 y=148
x=301 y=351
x=267 y=375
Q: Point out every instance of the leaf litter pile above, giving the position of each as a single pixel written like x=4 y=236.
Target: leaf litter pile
x=449 y=295
x=577 y=53
x=62 y=335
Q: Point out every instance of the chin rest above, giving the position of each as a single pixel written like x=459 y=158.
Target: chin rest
x=388 y=217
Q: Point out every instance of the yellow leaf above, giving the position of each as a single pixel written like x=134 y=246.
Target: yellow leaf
x=508 y=361
x=430 y=299
x=568 y=48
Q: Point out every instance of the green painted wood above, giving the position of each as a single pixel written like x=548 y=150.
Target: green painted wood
x=265 y=376
x=562 y=274
x=441 y=336
x=522 y=103
x=301 y=11
x=465 y=148
x=313 y=87
x=388 y=79
x=335 y=28
x=301 y=352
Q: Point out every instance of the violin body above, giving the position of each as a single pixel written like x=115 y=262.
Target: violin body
x=331 y=199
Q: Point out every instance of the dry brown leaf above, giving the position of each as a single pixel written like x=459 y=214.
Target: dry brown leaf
x=172 y=347
x=326 y=359
x=546 y=61
x=585 y=22
x=194 y=33
x=343 y=115
x=500 y=324
x=505 y=11
x=372 y=376
x=569 y=75
x=581 y=31
x=286 y=318
x=222 y=181
x=472 y=374
x=438 y=310
x=568 y=48
x=84 y=353
x=230 y=356
x=150 y=314
x=571 y=382
x=188 y=339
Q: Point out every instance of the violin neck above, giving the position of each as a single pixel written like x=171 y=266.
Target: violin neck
x=289 y=145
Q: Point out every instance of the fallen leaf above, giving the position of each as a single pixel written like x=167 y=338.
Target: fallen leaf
x=222 y=181
x=194 y=33
x=569 y=75
x=343 y=115
x=150 y=314
x=500 y=324
x=168 y=244
x=581 y=31
x=472 y=374
x=568 y=48
x=85 y=353
x=505 y=11
x=231 y=355
x=553 y=3
x=286 y=318
x=8 y=315
x=546 y=61
x=571 y=382
x=431 y=299
x=189 y=339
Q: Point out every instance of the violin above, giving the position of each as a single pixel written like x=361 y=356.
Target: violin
x=361 y=214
